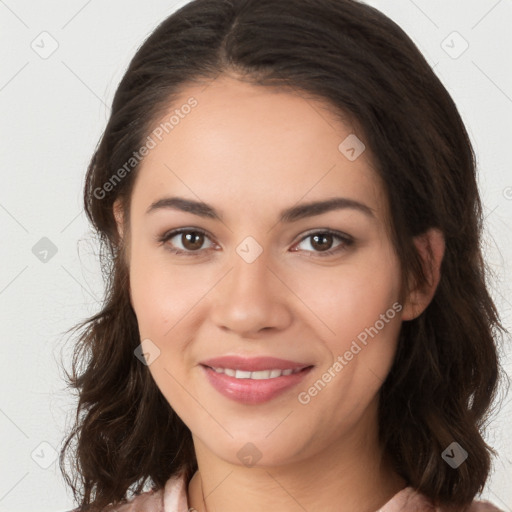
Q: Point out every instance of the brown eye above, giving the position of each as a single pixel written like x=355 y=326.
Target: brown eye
x=187 y=242
x=322 y=243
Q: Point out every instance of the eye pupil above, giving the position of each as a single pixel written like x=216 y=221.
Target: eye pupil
x=321 y=246
x=188 y=238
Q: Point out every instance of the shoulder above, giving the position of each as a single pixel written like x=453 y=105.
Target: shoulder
x=172 y=497
x=483 y=506
x=149 y=501
x=413 y=501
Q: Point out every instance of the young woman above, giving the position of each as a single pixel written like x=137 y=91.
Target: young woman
x=296 y=315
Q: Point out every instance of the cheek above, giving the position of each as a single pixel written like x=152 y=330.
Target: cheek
x=366 y=322
x=163 y=298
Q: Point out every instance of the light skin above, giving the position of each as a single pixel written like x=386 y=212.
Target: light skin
x=251 y=152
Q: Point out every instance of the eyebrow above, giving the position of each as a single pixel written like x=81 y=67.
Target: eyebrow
x=288 y=215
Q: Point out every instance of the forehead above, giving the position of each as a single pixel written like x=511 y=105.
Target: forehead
x=247 y=148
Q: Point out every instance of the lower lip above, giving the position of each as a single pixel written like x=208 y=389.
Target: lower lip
x=253 y=391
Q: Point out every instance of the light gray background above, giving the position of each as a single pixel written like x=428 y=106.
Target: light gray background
x=53 y=111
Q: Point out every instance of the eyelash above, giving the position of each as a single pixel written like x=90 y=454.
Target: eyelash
x=347 y=241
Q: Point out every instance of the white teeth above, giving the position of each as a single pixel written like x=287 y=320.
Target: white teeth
x=257 y=375
x=263 y=374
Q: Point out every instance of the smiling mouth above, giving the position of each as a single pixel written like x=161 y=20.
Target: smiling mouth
x=254 y=386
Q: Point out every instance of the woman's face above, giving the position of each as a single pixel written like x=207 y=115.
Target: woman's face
x=263 y=274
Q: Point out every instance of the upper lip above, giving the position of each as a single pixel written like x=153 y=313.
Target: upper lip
x=253 y=364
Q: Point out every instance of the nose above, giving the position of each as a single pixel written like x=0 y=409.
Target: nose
x=252 y=297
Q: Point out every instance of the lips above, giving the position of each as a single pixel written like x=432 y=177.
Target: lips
x=253 y=380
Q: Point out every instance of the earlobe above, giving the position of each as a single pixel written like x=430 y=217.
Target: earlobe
x=430 y=246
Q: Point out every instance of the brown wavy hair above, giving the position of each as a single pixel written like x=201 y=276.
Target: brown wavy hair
x=445 y=377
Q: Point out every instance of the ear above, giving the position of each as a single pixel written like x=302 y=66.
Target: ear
x=430 y=246
x=119 y=216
